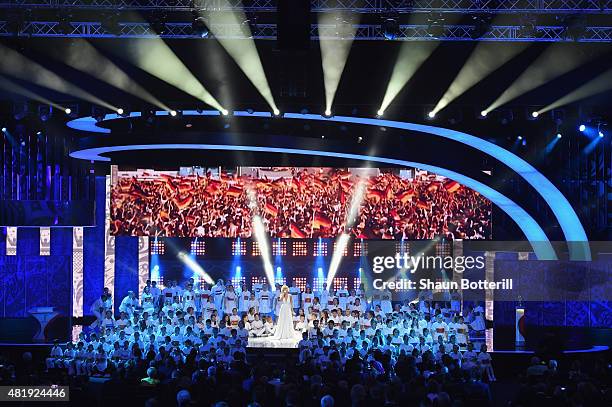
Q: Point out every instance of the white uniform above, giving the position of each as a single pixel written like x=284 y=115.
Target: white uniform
x=147 y=303
x=189 y=299
x=128 y=304
x=265 y=302
x=295 y=297
x=243 y=304
x=230 y=301
x=218 y=291
x=342 y=295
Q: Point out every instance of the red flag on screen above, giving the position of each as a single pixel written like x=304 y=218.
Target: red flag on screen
x=234 y=191
x=405 y=196
x=432 y=187
x=271 y=209
x=296 y=233
x=183 y=201
x=320 y=221
x=452 y=186
x=422 y=204
x=374 y=194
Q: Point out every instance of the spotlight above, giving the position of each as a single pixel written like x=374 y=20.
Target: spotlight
x=224 y=112
x=535 y=114
x=484 y=113
x=582 y=128
x=4 y=130
x=199 y=28
x=431 y=114
x=173 y=113
x=38 y=133
x=327 y=113
x=45 y=112
x=380 y=112
x=390 y=28
x=120 y=111
x=559 y=135
x=278 y=269
x=600 y=133
x=276 y=112
x=68 y=110
x=519 y=138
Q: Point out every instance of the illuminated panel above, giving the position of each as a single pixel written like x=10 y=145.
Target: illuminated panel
x=317 y=283
x=443 y=249
x=360 y=249
x=258 y=280
x=402 y=247
x=344 y=252
x=198 y=248
x=299 y=249
x=319 y=249
x=77 y=272
x=45 y=242
x=280 y=280
x=255 y=249
x=143 y=262
x=238 y=248
x=340 y=282
x=356 y=282
x=300 y=282
x=236 y=281
x=279 y=248
x=158 y=247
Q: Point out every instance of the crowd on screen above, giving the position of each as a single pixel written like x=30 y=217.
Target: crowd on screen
x=214 y=322
x=302 y=203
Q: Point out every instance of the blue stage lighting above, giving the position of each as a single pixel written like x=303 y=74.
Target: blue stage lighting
x=600 y=134
x=4 y=130
x=582 y=128
x=278 y=269
x=559 y=135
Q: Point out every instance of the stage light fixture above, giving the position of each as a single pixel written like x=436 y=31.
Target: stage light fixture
x=519 y=138
x=380 y=113
x=327 y=113
x=4 y=130
x=431 y=114
x=120 y=111
x=199 y=27
x=276 y=112
x=559 y=135
x=173 y=113
x=45 y=112
x=582 y=128
x=600 y=133
x=390 y=28
x=68 y=110
x=484 y=113
x=535 y=114
x=224 y=112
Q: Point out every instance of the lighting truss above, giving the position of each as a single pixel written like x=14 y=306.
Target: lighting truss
x=360 y=6
x=268 y=32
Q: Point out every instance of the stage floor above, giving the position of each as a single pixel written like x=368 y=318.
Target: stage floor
x=273 y=343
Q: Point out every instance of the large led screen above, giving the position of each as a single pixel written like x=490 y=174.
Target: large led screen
x=292 y=202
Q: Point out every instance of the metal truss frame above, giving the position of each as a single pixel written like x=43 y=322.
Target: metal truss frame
x=268 y=32
x=362 y=6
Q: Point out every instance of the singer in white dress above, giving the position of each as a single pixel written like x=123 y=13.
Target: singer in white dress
x=284 y=325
